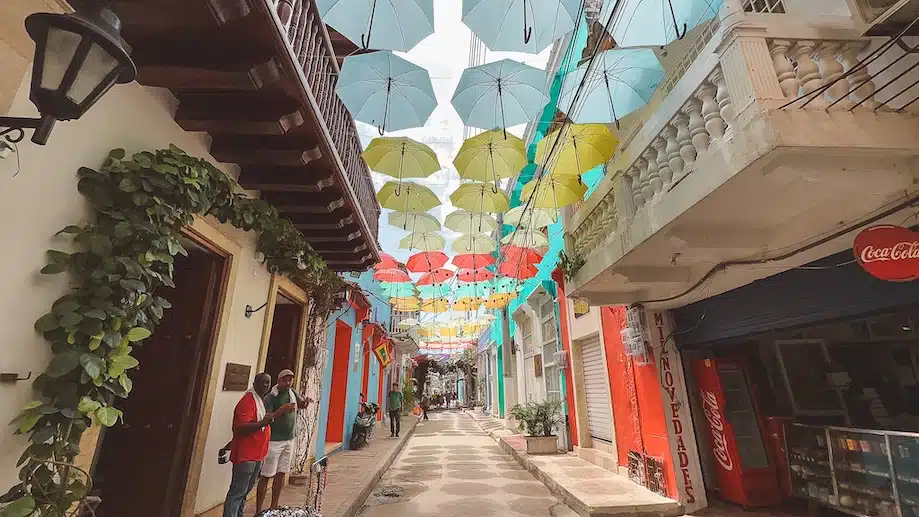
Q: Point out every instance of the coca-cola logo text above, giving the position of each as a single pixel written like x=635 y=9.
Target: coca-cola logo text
x=716 y=424
x=888 y=252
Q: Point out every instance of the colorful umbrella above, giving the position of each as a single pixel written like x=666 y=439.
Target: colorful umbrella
x=497 y=301
x=579 y=148
x=529 y=217
x=397 y=289
x=437 y=276
x=414 y=221
x=618 y=83
x=526 y=238
x=426 y=292
x=474 y=243
x=435 y=305
x=490 y=156
x=405 y=304
x=472 y=290
x=500 y=94
x=474 y=275
x=473 y=260
x=520 y=254
x=449 y=331
x=551 y=191
x=386 y=91
x=427 y=241
x=480 y=197
x=391 y=275
x=520 y=25
x=518 y=270
x=400 y=157
x=426 y=261
x=407 y=197
x=468 y=304
x=464 y=221
x=408 y=323
x=654 y=23
x=386 y=262
x=381 y=24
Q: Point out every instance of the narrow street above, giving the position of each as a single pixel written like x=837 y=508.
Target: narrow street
x=450 y=467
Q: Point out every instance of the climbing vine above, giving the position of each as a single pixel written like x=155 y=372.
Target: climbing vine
x=570 y=264
x=120 y=262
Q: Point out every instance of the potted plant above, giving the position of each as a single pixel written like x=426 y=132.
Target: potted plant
x=539 y=421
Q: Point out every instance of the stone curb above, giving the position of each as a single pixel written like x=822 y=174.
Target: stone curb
x=351 y=509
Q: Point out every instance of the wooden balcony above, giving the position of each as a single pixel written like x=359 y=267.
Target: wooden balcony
x=259 y=76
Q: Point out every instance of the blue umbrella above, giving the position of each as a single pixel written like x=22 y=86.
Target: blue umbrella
x=500 y=94
x=380 y=24
x=384 y=90
x=639 y=23
x=520 y=25
x=618 y=83
x=426 y=292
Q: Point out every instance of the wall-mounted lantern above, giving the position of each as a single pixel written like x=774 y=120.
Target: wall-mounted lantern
x=78 y=57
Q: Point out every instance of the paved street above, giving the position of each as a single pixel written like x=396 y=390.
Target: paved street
x=450 y=467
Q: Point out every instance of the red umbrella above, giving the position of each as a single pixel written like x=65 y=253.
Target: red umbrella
x=518 y=270
x=474 y=275
x=426 y=261
x=386 y=262
x=519 y=254
x=473 y=260
x=437 y=276
x=391 y=275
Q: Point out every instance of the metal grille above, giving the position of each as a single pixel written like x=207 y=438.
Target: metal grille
x=636 y=468
x=764 y=6
x=654 y=473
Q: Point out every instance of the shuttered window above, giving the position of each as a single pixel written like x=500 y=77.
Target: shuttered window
x=596 y=389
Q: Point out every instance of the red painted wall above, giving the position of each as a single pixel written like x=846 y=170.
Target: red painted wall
x=638 y=407
x=559 y=278
x=339 y=388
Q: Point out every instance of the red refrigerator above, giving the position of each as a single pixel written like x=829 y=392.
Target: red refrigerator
x=746 y=475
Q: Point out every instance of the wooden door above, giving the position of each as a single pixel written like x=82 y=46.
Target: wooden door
x=284 y=340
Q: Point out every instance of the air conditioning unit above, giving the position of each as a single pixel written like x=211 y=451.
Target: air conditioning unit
x=561 y=359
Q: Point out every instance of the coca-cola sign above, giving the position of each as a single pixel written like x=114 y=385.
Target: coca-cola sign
x=888 y=252
x=716 y=425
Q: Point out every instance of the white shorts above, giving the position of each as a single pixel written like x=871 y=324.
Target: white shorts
x=278 y=459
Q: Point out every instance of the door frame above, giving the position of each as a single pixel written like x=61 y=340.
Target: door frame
x=284 y=286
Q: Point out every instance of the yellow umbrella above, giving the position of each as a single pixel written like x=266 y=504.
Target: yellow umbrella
x=490 y=156
x=435 y=305
x=467 y=303
x=526 y=238
x=553 y=191
x=406 y=303
x=427 y=331
x=497 y=301
x=414 y=222
x=527 y=217
x=480 y=197
x=400 y=157
x=580 y=147
x=407 y=197
x=426 y=241
x=474 y=243
x=464 y=221
x=448 y=332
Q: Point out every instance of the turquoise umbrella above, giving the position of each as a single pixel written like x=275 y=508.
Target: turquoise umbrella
x=500 y=94
x=618 y=83
x=473 y=290
x=427 y=292
x=654 y=23
x=397 y=289
x=520 y=25
x=507 y=285
x=386 y=91
x=380 y=24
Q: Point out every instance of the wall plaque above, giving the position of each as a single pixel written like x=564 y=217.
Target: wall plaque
x=236 y=377
x=537 y=364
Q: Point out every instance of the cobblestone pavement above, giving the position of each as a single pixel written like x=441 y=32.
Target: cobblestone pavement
x=451 y=468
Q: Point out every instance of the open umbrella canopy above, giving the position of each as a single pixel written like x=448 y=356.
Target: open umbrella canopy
x=618 y=83
x=405 y=304
x=427 y=241
x=437 y=276
x=386 y=262
x=575 y=149
x=380 y=24
x=414 y=221
x=520 y=25
x=497 y=301
x=407 y=197
x=480 y=197
x=526 y=238
x=408 y=323
x=490 y=156
x=464 y=221
x=435 y=305
x=518 y=270
x=426 y=261
x=553 y=191
x=386 y=91
x=391 y=275
x=426 y=292
x=500 y=94
x=529 y=217
x=468 y=304
x=474 y=275
x=472 y=290
x=400 y=157
x=473 y=260
x=654 y=23
x=397 y=289
x=520 y=254
x=474 y=243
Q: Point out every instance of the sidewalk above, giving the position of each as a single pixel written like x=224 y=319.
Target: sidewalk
x=352 y=474
x=587 y=489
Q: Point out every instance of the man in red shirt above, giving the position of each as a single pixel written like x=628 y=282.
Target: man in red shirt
x=251 y=434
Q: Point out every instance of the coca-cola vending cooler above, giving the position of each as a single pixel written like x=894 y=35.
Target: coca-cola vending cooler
x=746 y=475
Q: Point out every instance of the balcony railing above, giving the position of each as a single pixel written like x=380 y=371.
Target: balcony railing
x=309 y=40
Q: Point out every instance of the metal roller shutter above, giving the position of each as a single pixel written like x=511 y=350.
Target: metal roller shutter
x=596 y=389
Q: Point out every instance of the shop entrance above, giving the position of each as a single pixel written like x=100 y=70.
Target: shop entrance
x=285 y=337
x=132 y=473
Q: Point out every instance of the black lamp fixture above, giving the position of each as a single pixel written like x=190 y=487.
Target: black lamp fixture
x=78 y=57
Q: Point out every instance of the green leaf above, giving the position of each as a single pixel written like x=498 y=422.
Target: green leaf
x=97 y=314
x=94 y=343
x=28 y=422
x=137 y=334
x=58 y=256
x=127 y=185
x=119 y=363
x=70 y=319
x=93 y=364
x=126 y=382
x=70 y=229
x=117 y=154
x=88 y=405
x=123 y=229
x=133 y=285
x=53 y=269
x=43 y=435
x=19 y=508
x=63 y=363
x=32 y=405
x=107 y=416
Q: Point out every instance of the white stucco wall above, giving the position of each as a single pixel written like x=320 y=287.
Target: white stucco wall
x=42 y=198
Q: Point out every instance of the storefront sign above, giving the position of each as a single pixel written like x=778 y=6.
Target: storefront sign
x=716 y=426
x=581 y=307
x=888 y=252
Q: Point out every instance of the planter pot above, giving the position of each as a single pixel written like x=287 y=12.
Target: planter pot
x=542 y=444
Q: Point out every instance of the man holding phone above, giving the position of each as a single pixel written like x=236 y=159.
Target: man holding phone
x=282 y=397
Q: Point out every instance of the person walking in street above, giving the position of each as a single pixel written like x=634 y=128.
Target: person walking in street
x=425 y=403
x=251 y=434
x=281 y=447
x=394 y=405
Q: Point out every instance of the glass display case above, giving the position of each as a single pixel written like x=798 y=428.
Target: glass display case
x=862 y=472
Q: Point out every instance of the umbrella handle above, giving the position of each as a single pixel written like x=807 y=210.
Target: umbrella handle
x=676 y=26
x=527 y=34
x=366 y=42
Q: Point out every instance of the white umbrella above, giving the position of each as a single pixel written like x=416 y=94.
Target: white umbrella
x=474 y=243
x=531 y=217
